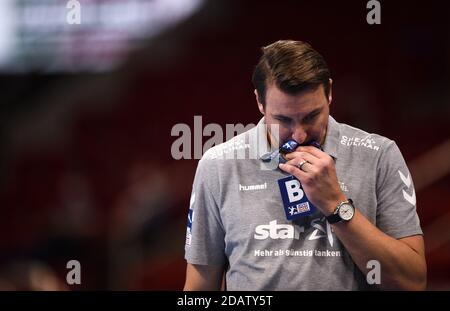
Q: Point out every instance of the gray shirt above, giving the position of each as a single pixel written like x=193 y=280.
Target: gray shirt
x=236 y=216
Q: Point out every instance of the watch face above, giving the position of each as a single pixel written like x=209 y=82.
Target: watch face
x=346 y=212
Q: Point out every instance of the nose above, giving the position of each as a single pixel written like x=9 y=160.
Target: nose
x=299 y=134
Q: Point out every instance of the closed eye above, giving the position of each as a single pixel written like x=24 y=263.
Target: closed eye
x=283 y=119
x=310 y=117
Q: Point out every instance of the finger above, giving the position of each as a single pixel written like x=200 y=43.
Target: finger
x=293 y=170
x=312 y=150
x=306 y=167
x=303 y=155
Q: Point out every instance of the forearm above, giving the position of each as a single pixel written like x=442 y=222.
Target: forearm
x=402 y=268
x=203 y=278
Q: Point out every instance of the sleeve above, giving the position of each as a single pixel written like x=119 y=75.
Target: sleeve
x=396 y=212
x=205 y=236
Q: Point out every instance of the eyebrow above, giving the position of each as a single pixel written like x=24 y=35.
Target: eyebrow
x=317 y=110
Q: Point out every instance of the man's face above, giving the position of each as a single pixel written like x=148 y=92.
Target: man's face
x=302 y=117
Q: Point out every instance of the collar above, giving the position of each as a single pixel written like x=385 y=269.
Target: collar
x=263 y=148
x=260 y=141
x=332 y=138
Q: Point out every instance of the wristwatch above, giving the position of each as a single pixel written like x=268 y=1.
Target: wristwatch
x=343 y=212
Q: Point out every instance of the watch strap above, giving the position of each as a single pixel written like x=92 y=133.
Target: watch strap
x=334 y=218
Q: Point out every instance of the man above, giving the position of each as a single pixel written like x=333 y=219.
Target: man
x=241 y=217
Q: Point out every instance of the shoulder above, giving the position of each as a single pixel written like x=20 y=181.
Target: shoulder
x=222 y=157
x=369 y=150
x=218 y=162
x=231 y=149
x=359 y=141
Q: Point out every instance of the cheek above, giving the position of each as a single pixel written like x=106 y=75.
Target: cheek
x=283 y=130
x=285 y=133
x=320 y=127
x=317 y=128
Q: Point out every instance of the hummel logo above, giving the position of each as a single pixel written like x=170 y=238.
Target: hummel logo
x=411 y=198
x=253 y=187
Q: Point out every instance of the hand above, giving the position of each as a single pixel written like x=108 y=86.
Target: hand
x=317 y=176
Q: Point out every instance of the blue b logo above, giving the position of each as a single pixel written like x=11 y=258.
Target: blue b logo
x=295 y=202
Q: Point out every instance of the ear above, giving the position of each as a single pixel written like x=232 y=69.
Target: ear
x=330 y=94
x=260 y=105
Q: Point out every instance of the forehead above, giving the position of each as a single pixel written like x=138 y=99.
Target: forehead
x=279 y=102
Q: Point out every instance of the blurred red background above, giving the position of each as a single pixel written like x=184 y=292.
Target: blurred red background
x=86 y=169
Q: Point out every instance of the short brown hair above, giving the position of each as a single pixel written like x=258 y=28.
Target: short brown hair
x=294 y=66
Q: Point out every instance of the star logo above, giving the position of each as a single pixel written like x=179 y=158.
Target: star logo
x=292 y=210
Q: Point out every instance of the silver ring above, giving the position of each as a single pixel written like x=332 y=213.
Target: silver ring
x=300 y=165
